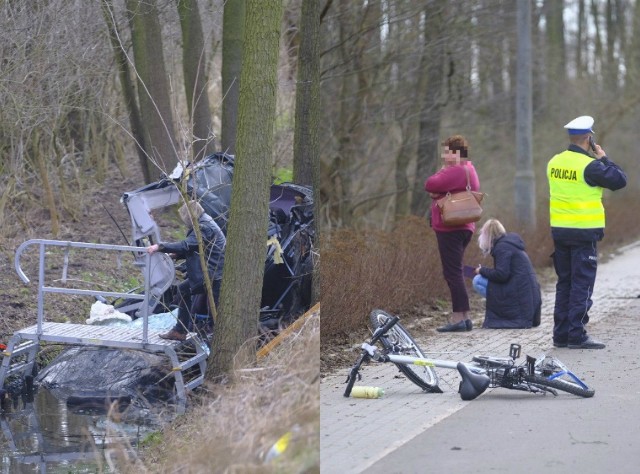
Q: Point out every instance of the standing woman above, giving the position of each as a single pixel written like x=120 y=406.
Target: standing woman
x=453 y=240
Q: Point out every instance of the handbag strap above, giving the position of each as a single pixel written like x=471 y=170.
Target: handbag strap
x=468 y=188
x=466 y=170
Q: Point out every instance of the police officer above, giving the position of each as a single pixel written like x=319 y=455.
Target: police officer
x=576 y=181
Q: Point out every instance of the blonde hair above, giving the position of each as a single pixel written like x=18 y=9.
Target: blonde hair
x=490 y=231
x=193 y=208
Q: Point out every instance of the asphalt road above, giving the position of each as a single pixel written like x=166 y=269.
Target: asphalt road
x=408 y=431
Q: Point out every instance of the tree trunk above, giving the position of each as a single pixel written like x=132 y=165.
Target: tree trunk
x=405 y=32
x=611 y=69
x=195 y=80
x=305 y=143
x=432 y=64
x=247 y=233
x=128 y=89
x=349 y=113
x=306 y=148
x=555 y=50
x=232 y=38
x=633 y=55
x=597 y=54
x=153 y=89
x=580 y=35
x=525 y=191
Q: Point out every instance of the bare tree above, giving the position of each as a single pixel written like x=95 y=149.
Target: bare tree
x=432 y=63
x=580 y=46
x=612 y=28
x=305 y=145
x=245 y=254
x=405 y=30
x=195 y=80
x=128 y=88
x=306 y=160
x=153 y=89
x=555 y=47
x=232 y=39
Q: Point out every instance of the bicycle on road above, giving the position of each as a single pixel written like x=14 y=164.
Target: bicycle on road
x=391 y=343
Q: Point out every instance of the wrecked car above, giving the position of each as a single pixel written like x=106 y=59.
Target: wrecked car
x=286 y=291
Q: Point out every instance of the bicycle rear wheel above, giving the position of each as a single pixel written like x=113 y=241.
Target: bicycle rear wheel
x=560 y=384
x=398 y=341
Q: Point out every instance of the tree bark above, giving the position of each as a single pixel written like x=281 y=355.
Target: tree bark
x=128 y=88
x=247 y=233
x=611 y=69
x=306 y=147
x=232 y=39
x=430 y=114
x=555 y=48
x=305 y=143
x=195 y=80
x=579 y=40
x=153 y=89
x=406 y=31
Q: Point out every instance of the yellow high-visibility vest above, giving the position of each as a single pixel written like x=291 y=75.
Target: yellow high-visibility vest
x=573 y=203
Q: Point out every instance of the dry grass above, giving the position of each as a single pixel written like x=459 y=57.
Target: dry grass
x=233 y=426
x=366 y=270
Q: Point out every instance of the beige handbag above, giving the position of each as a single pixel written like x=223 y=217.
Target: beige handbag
x=462 y=207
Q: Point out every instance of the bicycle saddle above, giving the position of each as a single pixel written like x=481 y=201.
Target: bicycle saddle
x=472 y=385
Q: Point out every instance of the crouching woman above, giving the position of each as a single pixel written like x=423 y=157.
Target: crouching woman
x=511 y=288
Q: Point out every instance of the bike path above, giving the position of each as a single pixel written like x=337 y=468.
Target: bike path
x=357 y=433
x=507 y=431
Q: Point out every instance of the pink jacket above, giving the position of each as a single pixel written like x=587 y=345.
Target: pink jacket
x=450 y=179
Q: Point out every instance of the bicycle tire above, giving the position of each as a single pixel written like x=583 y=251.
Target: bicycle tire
x=559 y=384
x=424 y=377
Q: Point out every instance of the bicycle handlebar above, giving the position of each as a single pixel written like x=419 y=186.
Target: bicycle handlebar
x=379 y=332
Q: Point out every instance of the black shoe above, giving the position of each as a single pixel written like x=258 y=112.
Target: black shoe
x=559 y=344
x=469 y=324
x=454 y=327
x=588 y=343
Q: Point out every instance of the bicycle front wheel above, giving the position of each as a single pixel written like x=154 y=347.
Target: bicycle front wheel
x=398 y=341
x=560 y=384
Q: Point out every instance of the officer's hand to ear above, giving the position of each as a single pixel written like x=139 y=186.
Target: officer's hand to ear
x=599 y=152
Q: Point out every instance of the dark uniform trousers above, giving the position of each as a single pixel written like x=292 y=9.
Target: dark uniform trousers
x=575 y=263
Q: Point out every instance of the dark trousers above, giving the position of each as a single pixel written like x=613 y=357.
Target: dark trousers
x=575 y=263
x=186 y=308
x=451 y=246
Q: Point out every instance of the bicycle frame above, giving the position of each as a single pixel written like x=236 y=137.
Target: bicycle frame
x=536 y=375
x=474 y=379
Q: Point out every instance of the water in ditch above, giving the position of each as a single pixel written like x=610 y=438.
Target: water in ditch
x=47 y=436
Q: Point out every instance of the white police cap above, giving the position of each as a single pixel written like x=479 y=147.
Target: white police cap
x=580 y=126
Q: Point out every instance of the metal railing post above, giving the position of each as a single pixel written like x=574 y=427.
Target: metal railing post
x=145 y=302
x=41 y=288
